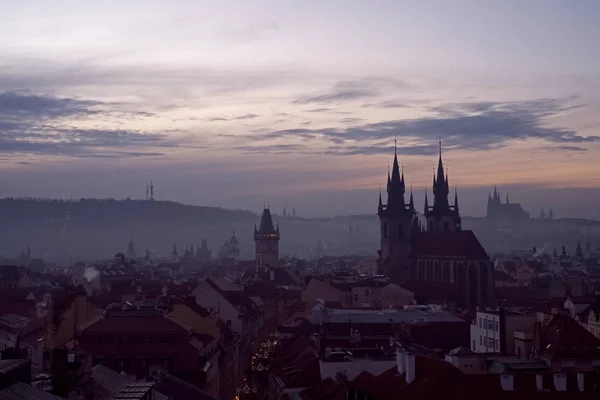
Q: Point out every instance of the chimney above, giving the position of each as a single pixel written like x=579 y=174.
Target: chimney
x=539 y=382
x=580 y=381
x=507 y=382
x=316 y=339
x=410 y=367
x=401 y=360
x=560 y=382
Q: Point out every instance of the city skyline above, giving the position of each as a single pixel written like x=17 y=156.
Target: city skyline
x=297 y=103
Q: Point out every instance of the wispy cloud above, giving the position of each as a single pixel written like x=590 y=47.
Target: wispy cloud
x=236 y=118
x=350 y=90
x=43 y=125
x=463 y=126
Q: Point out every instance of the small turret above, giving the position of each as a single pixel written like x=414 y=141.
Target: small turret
x=455 y=200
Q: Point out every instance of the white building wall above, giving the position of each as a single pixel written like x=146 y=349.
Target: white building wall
x=485 y=333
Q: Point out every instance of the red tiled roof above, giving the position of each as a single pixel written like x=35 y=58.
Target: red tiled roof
x=431 y=291
x=386 y=386
x=308 y=373
x=133 y=324
x=566 y=338
x=281 y=277
x=236 y=298
x=458 y=244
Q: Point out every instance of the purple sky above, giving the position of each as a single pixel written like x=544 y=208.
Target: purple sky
x=296 y=103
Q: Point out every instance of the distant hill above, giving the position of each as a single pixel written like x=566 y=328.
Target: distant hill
x=69 y=230
x=88 y=229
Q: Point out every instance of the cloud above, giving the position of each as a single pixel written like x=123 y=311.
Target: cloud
x=388 y=104
x=19 y=106
x=566 y=148
x=276 y=149
x=43 y=125
x=350 y=120
x=319 y=110
x=463 y=126
x=353 y=90
x=237 y=118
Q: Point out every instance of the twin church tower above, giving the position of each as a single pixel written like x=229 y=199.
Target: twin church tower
x=399 y=221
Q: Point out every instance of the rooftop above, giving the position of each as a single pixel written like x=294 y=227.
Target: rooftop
x=408 y=314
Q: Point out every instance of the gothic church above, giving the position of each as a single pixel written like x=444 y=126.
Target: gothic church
x=439 y=259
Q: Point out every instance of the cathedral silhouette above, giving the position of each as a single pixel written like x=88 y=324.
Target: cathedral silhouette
x=438 y=260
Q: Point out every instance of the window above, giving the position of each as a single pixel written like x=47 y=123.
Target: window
x=355 y=297
x=367 y=293
x=474 y=345
x=145 y=339
x=124 y=339
x=480 y=340
x=104 y=339
x=497 y=326
x=228 y=323
x=121 y=364
x=166 y=338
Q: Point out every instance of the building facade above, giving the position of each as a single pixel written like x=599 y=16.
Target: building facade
x=504 y=212
x=438 y=254
x=266 y=239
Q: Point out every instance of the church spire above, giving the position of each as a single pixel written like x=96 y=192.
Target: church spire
x=412 y=202
x=455 y=200
x=380 y=201
x=396 y=185
x=426 y=203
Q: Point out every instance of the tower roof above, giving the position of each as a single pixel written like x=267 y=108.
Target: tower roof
x=266 y=223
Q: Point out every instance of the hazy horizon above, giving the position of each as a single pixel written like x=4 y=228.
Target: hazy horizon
x=296 y=104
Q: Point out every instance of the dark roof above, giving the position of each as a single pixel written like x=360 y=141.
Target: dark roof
x=281 y=276
x=9 y=272
x=177 y=389
x=266 y=223
x=22 y=391
x=457 y=244
x=131 y=323
x=566 y=338
x=235 y=297
x=107 y=382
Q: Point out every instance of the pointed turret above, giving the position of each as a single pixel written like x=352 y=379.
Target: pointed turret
x=266 y=223
x=266 y=239
x=579 y=250
x=441 y=216
x=426 y=204
x=456 y=200
x=411 y=204
x=380 y=206
x=395 y=200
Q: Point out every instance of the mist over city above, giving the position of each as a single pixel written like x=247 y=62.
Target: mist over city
x=299 y=200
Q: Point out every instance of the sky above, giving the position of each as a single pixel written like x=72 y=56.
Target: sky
x=297 y=103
